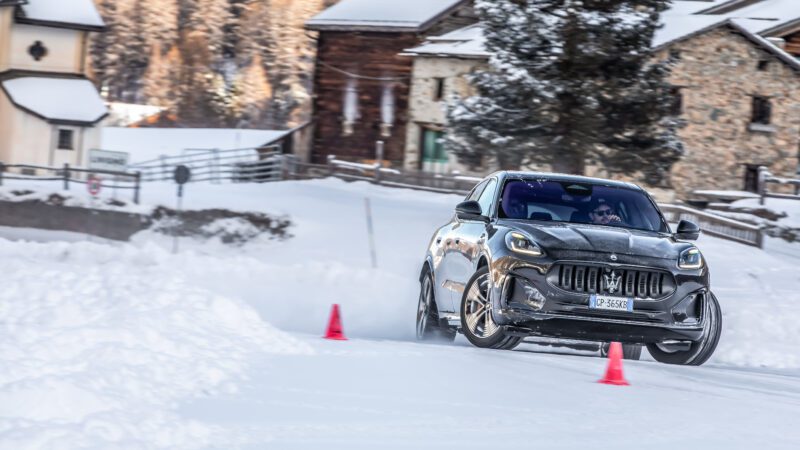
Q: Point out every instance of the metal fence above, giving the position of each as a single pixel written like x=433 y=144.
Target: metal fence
x=72 y=175
x=765 y=178
x=216 y=166
x=715 y=225
x=712 y=224
x=374 y=173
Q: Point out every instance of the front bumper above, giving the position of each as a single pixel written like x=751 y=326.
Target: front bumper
x=561 y=314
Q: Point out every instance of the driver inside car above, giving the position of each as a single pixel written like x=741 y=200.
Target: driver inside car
x=603 y=214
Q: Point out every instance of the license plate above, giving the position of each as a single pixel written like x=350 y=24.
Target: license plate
x=611 y=303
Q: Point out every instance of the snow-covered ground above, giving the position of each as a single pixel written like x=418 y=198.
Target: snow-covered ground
x=109 y=345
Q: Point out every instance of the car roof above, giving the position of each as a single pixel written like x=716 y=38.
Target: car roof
x=506 y=174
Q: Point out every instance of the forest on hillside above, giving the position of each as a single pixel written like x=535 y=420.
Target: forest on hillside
x=211 y=63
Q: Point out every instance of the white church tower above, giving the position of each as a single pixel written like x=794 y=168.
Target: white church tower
x=49 y=110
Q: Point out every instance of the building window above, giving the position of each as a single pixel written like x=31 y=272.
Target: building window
x=674 y=54
x=438 y=89
x=434 y=155
x=762 y=111
x=65 y=139
x=37 y=51
x=751 y=177
x=676 y=105
x=763 y=65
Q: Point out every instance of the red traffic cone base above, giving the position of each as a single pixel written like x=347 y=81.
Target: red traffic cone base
x=614 y=372
x=334 y=331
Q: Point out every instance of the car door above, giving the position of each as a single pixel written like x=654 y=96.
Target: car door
x=448 y=292
x=467 y=245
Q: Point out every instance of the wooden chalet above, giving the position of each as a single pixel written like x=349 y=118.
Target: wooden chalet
x=361 y=82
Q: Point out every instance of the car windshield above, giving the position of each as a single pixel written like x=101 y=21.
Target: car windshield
x=579 y=202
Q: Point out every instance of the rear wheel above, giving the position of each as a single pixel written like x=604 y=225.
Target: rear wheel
x=476 y=315
x=428 y=327
x=698 y=352
x=629 y=351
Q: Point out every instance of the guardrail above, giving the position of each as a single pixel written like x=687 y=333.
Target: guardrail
x=67 y=175
x=235 y=165
x=765 y=178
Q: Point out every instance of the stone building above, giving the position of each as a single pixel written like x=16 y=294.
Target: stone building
x=441 y=67
x=739 y=98
x=361 y=81
x=48 y=108
x=736 y=93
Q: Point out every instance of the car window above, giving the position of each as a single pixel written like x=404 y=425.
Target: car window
x=476 y=192
x=579 y=202
x=487 y=196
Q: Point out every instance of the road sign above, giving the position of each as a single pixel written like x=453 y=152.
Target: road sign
x=108 y=160
x=182 y=174
x=94 y=184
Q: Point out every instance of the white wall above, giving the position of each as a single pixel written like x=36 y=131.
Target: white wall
x=27 y=139
x=64 y=49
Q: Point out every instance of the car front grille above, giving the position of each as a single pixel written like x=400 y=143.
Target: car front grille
x=605 y=280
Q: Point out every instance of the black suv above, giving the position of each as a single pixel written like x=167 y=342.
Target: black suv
x=538 y=254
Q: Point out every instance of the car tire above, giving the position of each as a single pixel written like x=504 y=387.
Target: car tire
x=477 y=323
x=629 y=351
x=699 y=352
x=428 y=326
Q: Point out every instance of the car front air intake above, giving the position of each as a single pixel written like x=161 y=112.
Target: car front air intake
x=605 y=280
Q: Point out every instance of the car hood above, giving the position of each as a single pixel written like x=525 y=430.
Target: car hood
x=600 y=239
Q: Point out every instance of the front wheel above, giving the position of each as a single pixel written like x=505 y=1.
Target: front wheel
x=698 y=352
x=476 y=315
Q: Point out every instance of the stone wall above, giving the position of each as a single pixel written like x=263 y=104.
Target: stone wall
x=719 y=75
x=425 y=110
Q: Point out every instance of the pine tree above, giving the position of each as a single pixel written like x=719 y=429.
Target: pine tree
x=570 y=82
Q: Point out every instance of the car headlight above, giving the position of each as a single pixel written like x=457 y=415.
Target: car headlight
x=691 y=258
x=520 y=243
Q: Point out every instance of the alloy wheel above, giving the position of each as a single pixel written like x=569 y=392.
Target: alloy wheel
x=478 y=313
x=424 y=307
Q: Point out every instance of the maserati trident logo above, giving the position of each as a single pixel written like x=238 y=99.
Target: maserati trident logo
x=612 y=281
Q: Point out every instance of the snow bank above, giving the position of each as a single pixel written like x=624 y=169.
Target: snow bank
x=98 y=343
x=759 y=295
x=789 y=207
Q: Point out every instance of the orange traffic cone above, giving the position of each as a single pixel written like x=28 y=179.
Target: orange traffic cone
x=334 y=331
x=614 y=372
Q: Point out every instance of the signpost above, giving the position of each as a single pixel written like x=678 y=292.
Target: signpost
x=109 y=160
x=94 y=185
x=182 y=175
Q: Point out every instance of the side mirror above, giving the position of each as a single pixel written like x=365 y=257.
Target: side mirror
x=687 y=231
x=470 y=210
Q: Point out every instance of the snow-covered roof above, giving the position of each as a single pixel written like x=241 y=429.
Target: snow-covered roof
x=147 y=144
x=683 y=7
x=398 y=15
x=67 y=13
x=759 y=17
x=768 y=14
x=467 y=42
x=740 y=25
x=677 y=27
x=60 y=100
